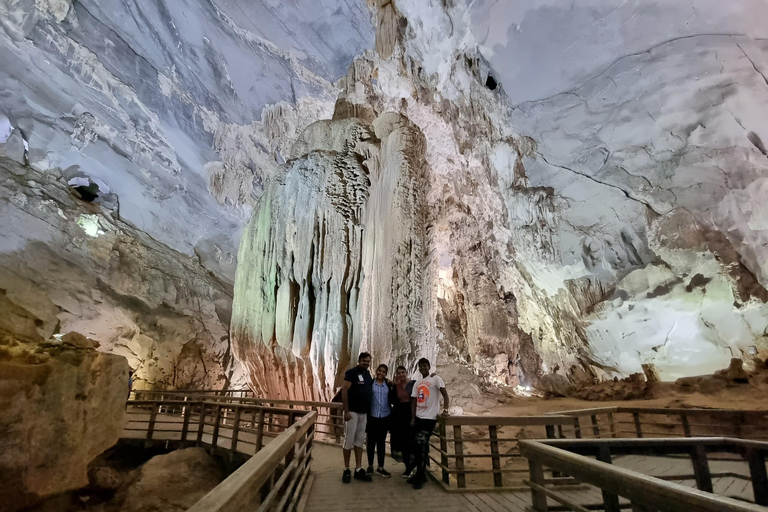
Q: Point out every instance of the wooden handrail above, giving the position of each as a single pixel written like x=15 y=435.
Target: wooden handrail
x=515 y=421
x=196 y=395
x=643 y=490
x=241 y=488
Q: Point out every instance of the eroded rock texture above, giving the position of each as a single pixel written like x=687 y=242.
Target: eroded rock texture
x=62 y=406
x=165 y=119
x=331 y=263
x=87 y=270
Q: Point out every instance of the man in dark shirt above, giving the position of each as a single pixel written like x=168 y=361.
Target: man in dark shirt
x=356 y=392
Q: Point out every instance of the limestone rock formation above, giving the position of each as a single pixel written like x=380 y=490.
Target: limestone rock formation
x=89 y=271
x=588 y=203
x=171 y=482
x=61 y=407
x=331 y=263
x=133 y=149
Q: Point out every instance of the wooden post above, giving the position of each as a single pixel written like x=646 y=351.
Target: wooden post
x=550 y=429
x=612 y=426
x=577 y=427
x=201 y=424
x=701 y=468
x=444 y=449
x=686 y=425
x=637 y=507
x=595 y=427
x=756 y=460
x=495 y=459
x=610 y=501
x=260 y=431
x=185 y=426
x=235 y=432
x=638 y=426
x=458 y=445
x=538 y=499
x=338 y=421
x=216 y=420
x=151 y=424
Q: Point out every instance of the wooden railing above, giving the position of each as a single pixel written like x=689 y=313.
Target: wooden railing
x=640 y=422
x=329 y=425
x=272 y=480
x=481 y=452
x=276 y=471
x=237 y=428
x=570 y=459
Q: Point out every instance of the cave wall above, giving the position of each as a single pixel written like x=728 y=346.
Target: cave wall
x=150 y=103
x=572 y=189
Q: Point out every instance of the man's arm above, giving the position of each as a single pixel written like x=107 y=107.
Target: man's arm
x=413 y=410
x=446 y=400
x=345 y=399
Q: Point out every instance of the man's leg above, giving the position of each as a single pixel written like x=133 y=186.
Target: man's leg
x=350 y=429
x=358 y=457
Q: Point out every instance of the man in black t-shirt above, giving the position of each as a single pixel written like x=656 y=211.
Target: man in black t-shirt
x=356 y=392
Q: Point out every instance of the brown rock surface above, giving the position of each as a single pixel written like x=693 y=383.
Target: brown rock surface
x=172 y=482
x=61 y=407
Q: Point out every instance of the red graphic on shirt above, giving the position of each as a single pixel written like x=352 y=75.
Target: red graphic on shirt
x=423 y=395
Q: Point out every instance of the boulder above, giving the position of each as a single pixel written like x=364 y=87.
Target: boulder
x=735 y=372
x=555 y=384
x=61 y=407
x=172 y=482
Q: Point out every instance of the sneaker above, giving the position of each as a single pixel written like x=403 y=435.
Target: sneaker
x=346 y=477
x=407 y=473
x=413 y=477
x=360 y=474
x=369 y=471
x=418 y=484
x=383 y=472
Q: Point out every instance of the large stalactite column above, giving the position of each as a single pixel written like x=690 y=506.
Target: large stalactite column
x=330 y=263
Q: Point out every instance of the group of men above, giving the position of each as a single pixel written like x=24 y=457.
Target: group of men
x=406 y=409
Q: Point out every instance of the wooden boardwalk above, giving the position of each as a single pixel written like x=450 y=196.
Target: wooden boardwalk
x=329 y=494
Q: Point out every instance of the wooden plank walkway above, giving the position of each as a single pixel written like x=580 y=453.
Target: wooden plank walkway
x=329 y=494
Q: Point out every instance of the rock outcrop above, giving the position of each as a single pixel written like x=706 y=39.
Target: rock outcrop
x=89 y=271
x=171 y=482
x=331 y=263
x=61 y=407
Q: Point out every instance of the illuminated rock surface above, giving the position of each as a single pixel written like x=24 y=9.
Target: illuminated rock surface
x=521 y=188
x=50 y=398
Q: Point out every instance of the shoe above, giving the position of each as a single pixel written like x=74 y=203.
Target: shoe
x=369 y=471
x=407 y=473
x=360 y=474
x=346 y=477
x=413 y=478
x=418 y=484
x=383 y=472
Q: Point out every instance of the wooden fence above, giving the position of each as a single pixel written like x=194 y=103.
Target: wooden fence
x=275 y=443
x=481 y=453
x=329 y=426
x=275 y=479
x=622 y=488
x=640 y=422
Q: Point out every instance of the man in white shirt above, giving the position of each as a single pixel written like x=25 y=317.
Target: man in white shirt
x=425 y=406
